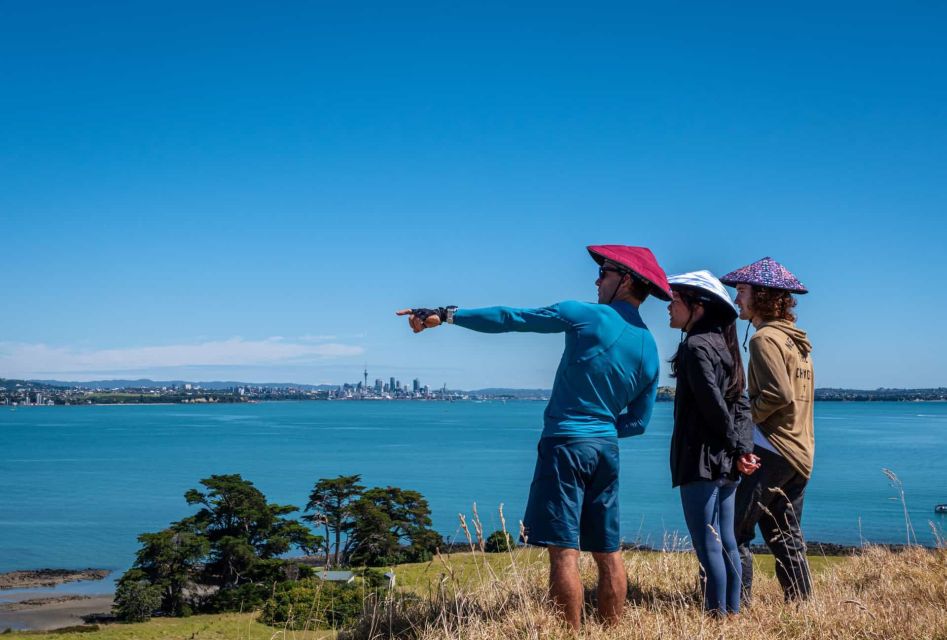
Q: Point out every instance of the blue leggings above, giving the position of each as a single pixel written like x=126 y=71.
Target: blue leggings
x=710 y=503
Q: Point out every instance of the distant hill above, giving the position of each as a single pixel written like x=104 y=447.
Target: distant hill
x=880 y=395
x=511 y=393
x=12 y=385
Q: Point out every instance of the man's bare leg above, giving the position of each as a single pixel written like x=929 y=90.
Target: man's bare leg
x=612 y=586
x=565 y=586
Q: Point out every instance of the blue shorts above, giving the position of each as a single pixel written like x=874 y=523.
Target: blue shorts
x=573 y=501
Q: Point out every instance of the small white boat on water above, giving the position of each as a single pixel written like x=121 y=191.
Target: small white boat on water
x=941 y=508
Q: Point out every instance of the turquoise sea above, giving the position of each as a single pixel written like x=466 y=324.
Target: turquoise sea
x=78 y=484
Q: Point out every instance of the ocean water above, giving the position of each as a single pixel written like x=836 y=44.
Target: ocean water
x=78 y=484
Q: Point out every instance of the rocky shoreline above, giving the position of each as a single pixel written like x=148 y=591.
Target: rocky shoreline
x=31 y=603
x=45 y=578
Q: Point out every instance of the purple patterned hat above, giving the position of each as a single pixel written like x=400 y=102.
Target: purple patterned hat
x=765 y=273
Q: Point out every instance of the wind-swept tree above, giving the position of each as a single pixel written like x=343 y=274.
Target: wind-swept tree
x=233 y=543
x=242 y=529
x=330 y=506
x=392 y=525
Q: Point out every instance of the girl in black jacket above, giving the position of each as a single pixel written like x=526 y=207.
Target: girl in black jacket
x=713 y=439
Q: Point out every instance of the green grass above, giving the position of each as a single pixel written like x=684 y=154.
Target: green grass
x=465 y=568
x=817 y=564
x=227 y=626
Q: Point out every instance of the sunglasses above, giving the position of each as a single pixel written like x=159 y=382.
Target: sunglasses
x=603 y=270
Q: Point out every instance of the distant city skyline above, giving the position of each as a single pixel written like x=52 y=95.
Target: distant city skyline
x=31 y=393
x=249 y=192
x=62 y=392
x=415 y=385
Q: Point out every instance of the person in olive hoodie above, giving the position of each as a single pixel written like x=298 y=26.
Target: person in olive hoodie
x=782 y=393
x=712 y=430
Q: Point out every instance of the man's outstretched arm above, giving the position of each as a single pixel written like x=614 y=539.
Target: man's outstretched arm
x=491 y=319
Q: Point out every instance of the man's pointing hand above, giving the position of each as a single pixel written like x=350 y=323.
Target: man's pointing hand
x=420 y=319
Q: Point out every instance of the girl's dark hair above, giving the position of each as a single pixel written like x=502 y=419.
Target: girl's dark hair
x=689 y=301
x=737 y=377
x=716 y=316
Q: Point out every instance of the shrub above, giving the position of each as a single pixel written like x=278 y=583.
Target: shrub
x=314 y=604
x=499 y=541
x=246 y=597
x=374 y=579
x=135 y=600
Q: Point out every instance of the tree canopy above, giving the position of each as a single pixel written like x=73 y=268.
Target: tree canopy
x=392 y=525
x=374 y=527
x=170 y=560
x=242 y=529
x=331 y=504
x=229 y=554
x=233 y=540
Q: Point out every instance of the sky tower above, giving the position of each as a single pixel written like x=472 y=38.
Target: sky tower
x=365 y=374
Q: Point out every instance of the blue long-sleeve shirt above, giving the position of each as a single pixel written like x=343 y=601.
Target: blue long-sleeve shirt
x=609 y=366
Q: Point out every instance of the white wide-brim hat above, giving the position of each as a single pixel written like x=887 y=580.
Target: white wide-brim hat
x=707 y=287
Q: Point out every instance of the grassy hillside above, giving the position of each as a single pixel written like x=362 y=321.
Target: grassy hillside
x=879 y=594
x=467 y=570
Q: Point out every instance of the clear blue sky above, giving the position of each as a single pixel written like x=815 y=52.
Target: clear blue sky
x=248 y=191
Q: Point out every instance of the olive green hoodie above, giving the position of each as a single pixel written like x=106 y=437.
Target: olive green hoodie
x=781 y=386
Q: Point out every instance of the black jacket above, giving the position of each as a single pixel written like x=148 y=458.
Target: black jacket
x=709 y=433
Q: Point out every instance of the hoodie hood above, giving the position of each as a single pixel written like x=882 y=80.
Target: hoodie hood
x=795 y=333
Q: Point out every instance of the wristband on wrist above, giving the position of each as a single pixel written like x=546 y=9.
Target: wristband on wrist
x=444 y=314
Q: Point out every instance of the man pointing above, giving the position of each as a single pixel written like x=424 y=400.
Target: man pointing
x=604 y=389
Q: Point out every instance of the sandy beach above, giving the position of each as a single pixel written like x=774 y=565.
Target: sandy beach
x=28 y=601
x=45 y=610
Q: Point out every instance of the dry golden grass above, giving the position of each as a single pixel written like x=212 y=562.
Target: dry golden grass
x=878 y=594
